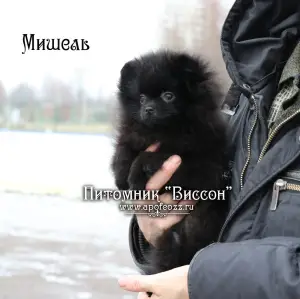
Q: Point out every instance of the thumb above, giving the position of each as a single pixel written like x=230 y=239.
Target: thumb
x=136 y=283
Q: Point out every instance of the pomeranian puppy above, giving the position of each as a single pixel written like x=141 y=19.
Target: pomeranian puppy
x=172 y=99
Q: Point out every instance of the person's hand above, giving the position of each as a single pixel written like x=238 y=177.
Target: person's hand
x=172 y=284
x=153 y=227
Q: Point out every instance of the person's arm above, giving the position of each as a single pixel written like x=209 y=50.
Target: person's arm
x=263 y=269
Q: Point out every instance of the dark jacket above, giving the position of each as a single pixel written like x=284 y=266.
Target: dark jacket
x=258 y=253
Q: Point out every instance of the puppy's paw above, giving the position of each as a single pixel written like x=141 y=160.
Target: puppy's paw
x=137 y=178
x=150 y=169
x=144 y=167
x=152 y=162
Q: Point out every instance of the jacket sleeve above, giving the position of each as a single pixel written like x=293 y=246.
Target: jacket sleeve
x=138 y=246
x=264 y=269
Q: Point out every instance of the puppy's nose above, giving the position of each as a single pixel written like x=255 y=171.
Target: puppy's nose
x=149 y=110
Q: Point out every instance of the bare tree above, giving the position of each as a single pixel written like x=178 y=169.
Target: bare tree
x=23 y=100
x=196 y=30
x=171 y=36
x=207 y=40
x=172 y=30
x=58 y=100
x=81 y=97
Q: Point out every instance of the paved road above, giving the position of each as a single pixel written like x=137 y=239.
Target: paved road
x=61 y=248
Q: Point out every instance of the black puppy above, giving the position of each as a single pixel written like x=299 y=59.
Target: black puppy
x=172 y=98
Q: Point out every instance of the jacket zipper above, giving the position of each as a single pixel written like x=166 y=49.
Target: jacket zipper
x=265 y=147
x=278 y=186
x=253 y=97
x=274 y=132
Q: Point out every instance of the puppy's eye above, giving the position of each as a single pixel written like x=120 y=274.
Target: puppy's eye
x=168 y=96
x=142 y=99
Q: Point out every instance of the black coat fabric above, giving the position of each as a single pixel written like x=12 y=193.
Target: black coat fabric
x=258 y=253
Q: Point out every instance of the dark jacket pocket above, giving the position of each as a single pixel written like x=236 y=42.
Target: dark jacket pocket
x=284 y=207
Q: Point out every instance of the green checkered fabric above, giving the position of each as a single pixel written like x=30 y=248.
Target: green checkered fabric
x=287 y=99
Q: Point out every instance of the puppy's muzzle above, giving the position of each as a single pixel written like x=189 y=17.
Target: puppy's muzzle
x=149 y=110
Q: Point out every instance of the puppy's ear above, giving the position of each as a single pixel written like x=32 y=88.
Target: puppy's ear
x=128 y=70
x=193 y=71
x=186 y=63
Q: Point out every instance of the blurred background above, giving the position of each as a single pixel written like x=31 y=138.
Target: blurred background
x=56 y=117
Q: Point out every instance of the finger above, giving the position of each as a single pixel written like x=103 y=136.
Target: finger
x=187 y=202
x=153 y=147
x=136 y=283
x=163 y=175
x=170 y=220
x=167 y=199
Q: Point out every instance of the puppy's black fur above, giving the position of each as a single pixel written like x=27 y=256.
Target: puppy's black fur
x=172 y=98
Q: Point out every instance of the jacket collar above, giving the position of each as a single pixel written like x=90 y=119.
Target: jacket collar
x=258 y=37
x=292 y=67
